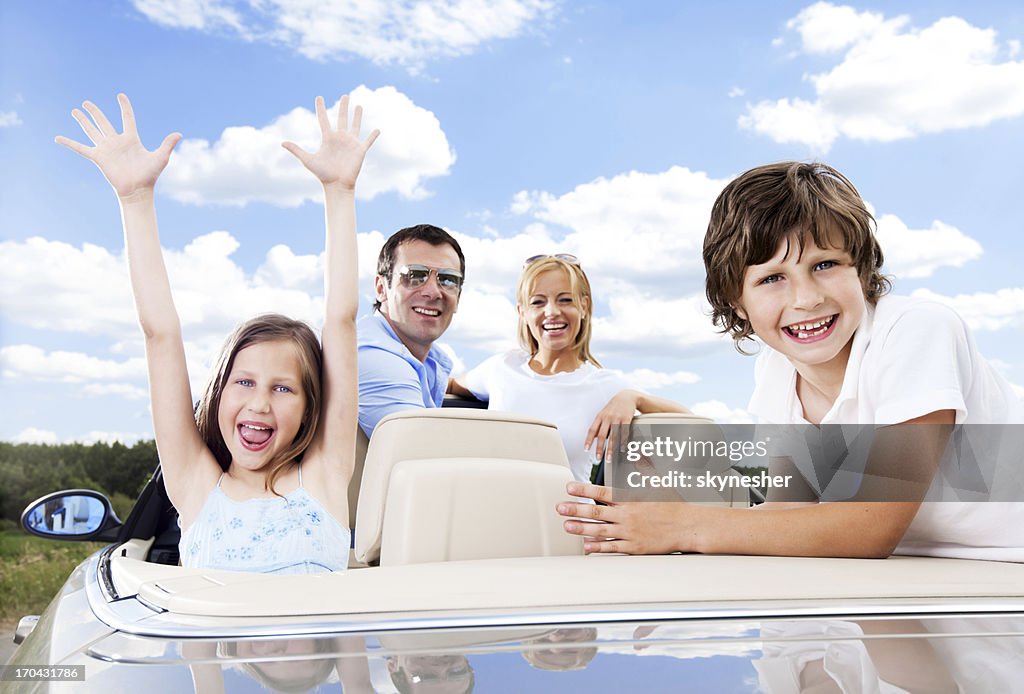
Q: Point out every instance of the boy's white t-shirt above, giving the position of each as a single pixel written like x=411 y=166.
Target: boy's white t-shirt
x=911 y=357
x=570 y=400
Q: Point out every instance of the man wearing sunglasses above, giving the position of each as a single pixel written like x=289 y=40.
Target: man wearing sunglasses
x=420 y=271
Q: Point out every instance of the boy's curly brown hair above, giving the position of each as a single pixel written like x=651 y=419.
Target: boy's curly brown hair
x=770 y=205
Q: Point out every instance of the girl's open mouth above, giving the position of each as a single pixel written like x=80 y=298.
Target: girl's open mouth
x=810 y=331
x=255 y=437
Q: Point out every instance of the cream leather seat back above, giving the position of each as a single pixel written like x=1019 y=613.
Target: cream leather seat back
x=447 y=484
x=362 y=443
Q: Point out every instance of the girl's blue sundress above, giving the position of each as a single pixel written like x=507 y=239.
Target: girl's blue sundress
x=293 y=534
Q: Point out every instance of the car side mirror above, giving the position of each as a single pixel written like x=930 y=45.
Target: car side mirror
x=74 y=514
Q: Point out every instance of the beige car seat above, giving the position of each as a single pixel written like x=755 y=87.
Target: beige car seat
x=362 y=443
x=450 y=484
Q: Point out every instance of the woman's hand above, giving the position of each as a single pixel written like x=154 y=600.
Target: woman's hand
x=608 y=422
x=128 y=166
x=340 y=156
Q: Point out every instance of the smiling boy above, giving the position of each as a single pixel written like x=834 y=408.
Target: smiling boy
x=792 y=260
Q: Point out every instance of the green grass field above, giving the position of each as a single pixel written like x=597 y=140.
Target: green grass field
x=33 y=569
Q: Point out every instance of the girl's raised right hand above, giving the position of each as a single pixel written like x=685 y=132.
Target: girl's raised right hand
x=128 y=166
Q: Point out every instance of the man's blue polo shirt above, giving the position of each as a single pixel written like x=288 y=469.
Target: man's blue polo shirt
x=391 y=379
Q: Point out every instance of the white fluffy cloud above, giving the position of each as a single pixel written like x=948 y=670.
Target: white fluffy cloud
x=9 y=119
x=485 y=321
x=493 y=264
x=34 y=435
x=827 y=28
x=793 y=120
x=984 y=310
x=650 y=380
x=639 y=324
x=127 y=391
x=27 y=361
x=722 y=413
x=916 y=253
x=403 y=32
x=192 y=14
x=248 y=164
x=53 y=285
x=125 y=437
x=894 y=80
x=644 y=228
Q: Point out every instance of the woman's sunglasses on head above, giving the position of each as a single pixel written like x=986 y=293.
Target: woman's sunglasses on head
x=413 y=276
x=567 y=257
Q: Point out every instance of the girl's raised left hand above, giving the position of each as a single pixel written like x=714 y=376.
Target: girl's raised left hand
x=340 y=156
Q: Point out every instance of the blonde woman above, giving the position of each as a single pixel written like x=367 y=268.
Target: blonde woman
x=554 y=376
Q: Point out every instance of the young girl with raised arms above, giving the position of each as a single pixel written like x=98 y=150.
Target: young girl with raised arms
x=259 y=471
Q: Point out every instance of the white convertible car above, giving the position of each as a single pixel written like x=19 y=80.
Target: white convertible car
x=455 y=586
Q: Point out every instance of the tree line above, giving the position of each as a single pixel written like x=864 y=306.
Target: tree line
x=30 y=470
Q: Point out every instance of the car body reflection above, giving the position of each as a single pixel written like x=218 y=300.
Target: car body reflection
x=781 y=656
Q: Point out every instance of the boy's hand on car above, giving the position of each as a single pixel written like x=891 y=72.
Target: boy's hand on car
x=637 y=527
x=126 y=164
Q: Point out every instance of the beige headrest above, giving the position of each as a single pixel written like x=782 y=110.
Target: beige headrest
x=449 y=434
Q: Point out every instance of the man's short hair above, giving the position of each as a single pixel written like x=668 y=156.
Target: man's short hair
x=763 y=208
x=435 y=236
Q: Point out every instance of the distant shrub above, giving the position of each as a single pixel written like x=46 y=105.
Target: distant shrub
x=29 y=471
x=122 y=504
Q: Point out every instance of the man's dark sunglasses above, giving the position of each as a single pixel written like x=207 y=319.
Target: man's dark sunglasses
x=414 y=276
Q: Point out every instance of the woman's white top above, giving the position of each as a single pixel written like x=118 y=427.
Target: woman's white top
x=568 y=400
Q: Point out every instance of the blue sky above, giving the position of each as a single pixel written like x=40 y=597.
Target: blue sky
x=603 y=129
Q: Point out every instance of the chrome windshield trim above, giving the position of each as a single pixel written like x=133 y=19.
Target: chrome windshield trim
x=104 y=579
x=143 y=621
